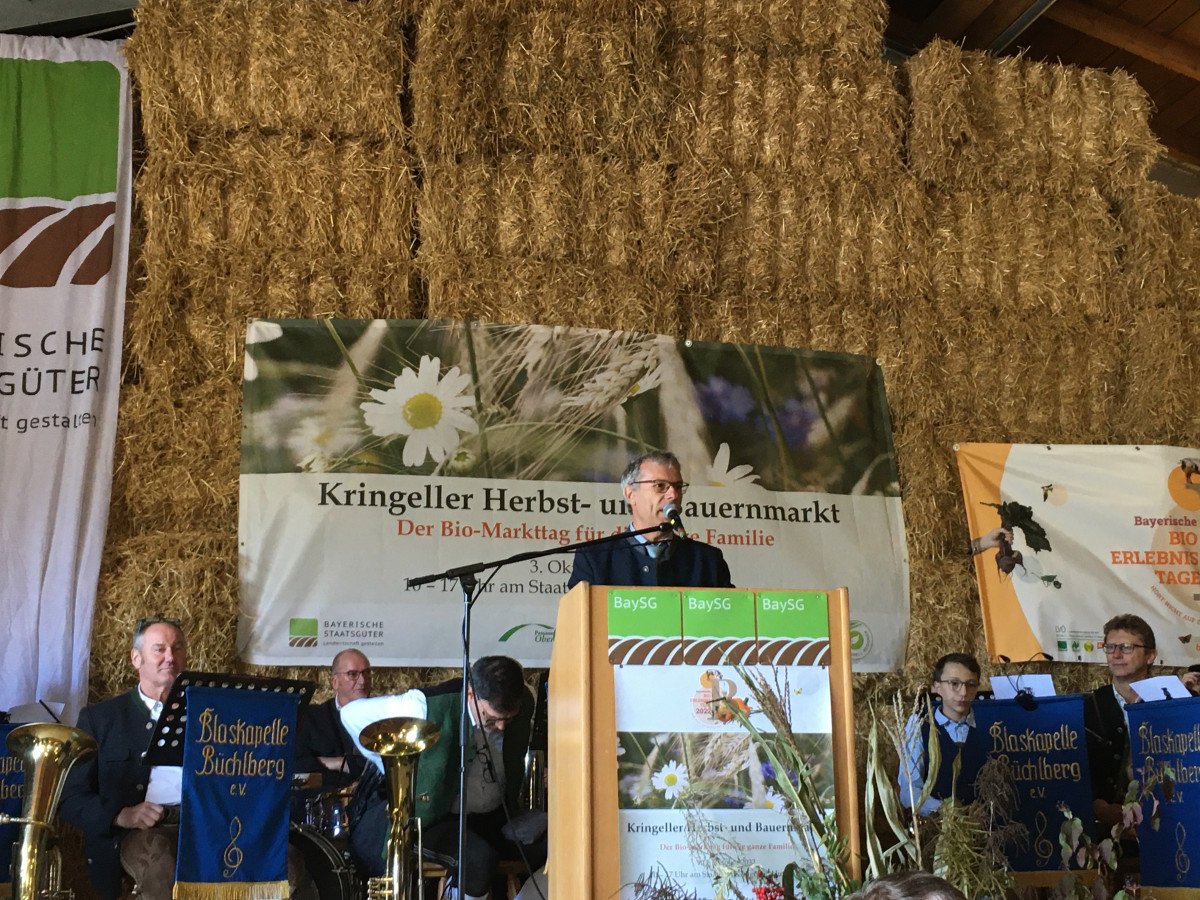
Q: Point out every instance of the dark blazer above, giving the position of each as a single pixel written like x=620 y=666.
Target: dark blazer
x=321 y=733
x=684 y=563
x=114 y=778
x=1107 y=744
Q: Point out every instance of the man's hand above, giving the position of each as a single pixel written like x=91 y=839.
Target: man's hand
x=333 y=763
x=1191 y=681
x=144 y=815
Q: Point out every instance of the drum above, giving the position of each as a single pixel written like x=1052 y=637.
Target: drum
x=330 y=874
x=329 y=812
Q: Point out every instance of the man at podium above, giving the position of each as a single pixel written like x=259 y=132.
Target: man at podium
x=653 y=487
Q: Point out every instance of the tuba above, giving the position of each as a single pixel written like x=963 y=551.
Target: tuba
x=48 y=752
x=399 y=741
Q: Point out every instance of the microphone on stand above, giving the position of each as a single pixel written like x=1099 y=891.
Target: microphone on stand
x=673 y=516
x=1025 y=698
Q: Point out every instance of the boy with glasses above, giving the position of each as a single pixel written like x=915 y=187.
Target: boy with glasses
x=955 y=683
x=652 y=482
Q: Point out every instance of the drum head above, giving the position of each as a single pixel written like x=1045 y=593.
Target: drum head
x=330 y=874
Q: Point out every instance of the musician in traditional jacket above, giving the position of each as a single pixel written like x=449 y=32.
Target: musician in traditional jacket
x=954 y=684
x=127 y=810
x=1130 y=651
x=500 y=708
x=651 y=483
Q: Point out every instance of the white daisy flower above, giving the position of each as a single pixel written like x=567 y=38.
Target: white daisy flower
x=424 y=410
x=720 y=475
x=258 y=332
x=670 y=779
x=772 y=800
x=316 y=444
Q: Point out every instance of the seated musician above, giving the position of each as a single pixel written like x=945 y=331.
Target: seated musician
x=129 y=811
x=322 y=742
x=954 y=684
x=500 y=708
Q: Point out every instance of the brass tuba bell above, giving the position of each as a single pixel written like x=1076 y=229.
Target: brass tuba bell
x=399 y=742
x=48 y=751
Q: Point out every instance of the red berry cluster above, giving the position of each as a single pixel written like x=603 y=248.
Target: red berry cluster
x=769 y=892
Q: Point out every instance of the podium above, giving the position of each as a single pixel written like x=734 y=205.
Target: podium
x=584 y=839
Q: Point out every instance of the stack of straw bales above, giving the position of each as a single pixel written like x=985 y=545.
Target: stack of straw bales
x=1022 y=165
x=277 y=181
x=743 y=170
x=654 y=166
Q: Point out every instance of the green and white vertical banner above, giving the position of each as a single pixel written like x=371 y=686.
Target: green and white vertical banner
x=65 y=176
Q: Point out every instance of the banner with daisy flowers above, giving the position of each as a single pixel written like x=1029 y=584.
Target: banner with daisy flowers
x=376 y=451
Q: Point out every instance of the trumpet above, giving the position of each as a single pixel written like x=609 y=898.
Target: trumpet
x=399 y=741
x=48 y=752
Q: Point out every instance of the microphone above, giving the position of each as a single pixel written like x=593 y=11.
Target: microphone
x=673 y=516
x=1025 y=698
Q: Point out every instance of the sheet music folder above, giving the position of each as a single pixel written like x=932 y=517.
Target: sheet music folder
x=166 y=740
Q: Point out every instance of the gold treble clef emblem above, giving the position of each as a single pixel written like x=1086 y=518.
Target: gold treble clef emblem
x=233 y=853
x=1042 y=846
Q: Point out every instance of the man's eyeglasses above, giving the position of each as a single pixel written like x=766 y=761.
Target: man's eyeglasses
x=143 y=624
x=355 y=674
x=1110 y=649
x=489 y=721
x=661 y=487
x=955 y=685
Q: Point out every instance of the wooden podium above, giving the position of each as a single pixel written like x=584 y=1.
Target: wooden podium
x=583 y=832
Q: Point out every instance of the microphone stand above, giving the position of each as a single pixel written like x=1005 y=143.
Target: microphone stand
x=467 y=577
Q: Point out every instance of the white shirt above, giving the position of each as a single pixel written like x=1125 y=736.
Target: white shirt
x=166 y=782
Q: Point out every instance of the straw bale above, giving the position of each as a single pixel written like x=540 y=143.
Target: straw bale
x=803 y=114
x=984 y=123
x=492 y=79
x=848 y=29
x=518 y=290
x=1159 y=404
x=253 y=194
x=180 y=456
x=649 y=218
x=318 y=67
x=1160 y=252
x=1024 y=253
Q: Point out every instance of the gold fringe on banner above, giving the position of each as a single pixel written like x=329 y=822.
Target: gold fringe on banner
x=238 y=890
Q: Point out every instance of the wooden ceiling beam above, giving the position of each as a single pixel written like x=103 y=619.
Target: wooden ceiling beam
x=1158 y=48
x=952 y=18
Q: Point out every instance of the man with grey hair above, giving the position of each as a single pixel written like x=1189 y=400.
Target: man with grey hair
x=129 y=811
x=651 y=484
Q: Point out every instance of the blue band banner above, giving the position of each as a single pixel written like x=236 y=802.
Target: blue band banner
x=1164 y=739
x=237 y=772
x=12 y=782
x=1046 y=752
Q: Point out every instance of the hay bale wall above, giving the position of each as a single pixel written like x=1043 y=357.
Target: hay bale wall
x=741 y=171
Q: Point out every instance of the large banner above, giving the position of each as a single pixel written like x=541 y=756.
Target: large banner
x=1095 y=531
x=378 y=451
x=64 y=241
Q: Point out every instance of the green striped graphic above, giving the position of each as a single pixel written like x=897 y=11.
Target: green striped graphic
x=58 y=128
